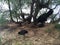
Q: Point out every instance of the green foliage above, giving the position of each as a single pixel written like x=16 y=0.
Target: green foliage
x=57 y=26
x=17 y=5
x=3 y=21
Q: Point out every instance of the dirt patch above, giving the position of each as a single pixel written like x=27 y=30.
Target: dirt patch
x=35 y=36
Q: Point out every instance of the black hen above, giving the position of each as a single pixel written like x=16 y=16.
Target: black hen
x=44 y=16
x=22 y=32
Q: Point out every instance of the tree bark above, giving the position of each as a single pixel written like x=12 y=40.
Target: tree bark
x=31 y=12
x=10 y=10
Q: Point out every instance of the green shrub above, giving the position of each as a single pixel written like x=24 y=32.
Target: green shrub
x=3 y=21
x=57 y=26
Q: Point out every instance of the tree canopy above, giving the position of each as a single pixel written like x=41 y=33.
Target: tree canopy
x=37 y=8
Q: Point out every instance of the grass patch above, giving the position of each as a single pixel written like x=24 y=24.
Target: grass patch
x=3 y=21
x=0 y=40
x=48 y=31
x=16 y=42
x=57 y=26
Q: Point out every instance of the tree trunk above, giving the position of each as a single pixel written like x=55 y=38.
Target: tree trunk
x=10 y=10
x=31 y=12
x=36 y=12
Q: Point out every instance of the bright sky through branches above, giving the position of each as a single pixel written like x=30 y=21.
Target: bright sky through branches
x=4 y=7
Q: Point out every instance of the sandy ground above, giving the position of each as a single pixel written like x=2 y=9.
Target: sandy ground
x=35 y=36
